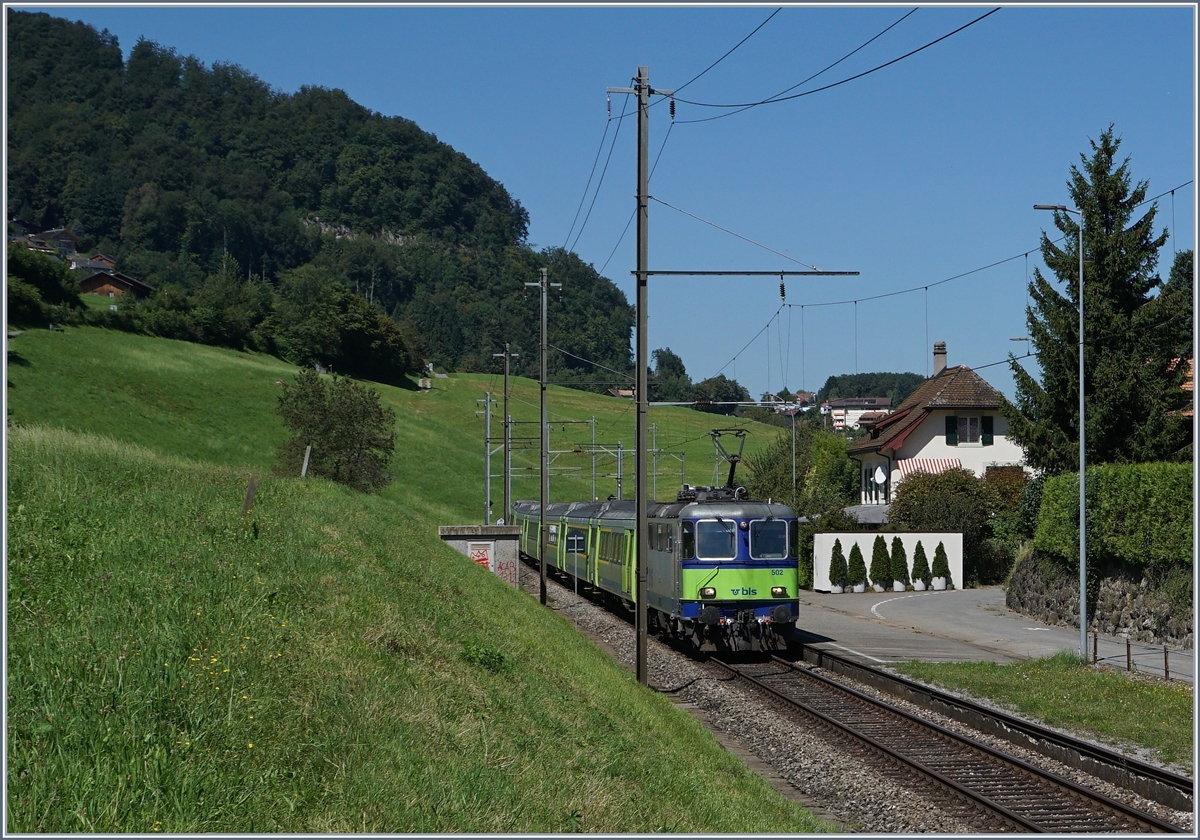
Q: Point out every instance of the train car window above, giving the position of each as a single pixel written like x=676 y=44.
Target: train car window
x=768 y=539
x=716 y=539
x=576 y=540
x=553 y=538
x=688 y=538
x=794 y=539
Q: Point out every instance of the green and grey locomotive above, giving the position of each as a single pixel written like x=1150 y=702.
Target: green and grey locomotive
x=721 y=568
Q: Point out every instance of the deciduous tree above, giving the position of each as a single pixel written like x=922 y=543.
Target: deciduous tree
x=351 y=433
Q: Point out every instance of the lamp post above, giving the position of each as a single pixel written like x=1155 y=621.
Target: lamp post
x=1082 y=450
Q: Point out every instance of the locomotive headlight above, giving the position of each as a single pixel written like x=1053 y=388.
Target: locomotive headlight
x=708 y=592
x=778 y=591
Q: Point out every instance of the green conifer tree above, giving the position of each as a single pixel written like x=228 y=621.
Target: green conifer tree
x=1132 y=388
x=881 y=564
x=899 y=561
x=920 y=569
x=837 y=565
x=857 y=571
x=941 y=566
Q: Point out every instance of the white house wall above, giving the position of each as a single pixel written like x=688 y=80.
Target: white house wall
x=928 y=440
x=823 y=552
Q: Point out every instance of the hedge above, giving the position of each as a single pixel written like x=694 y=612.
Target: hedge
x=1138 y=514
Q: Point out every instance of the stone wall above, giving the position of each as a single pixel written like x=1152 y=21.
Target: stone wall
x=1125 y=605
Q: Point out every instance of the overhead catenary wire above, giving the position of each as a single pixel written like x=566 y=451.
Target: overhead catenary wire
x=926 y=287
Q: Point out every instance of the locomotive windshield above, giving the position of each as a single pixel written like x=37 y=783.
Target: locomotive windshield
x=768 y=539
x=716 y=539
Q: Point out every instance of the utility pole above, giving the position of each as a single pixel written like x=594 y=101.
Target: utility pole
x=545 y=482
x=643 y=90
x=507 y=435
x=487 y=456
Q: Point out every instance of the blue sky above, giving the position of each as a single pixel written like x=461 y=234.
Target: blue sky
x=920 y=172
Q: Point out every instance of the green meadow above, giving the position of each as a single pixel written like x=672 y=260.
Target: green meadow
x=322 y=662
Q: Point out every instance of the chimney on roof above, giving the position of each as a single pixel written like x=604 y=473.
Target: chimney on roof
x=939 y=357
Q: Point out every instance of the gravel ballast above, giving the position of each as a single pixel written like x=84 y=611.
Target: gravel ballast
x=825 y=773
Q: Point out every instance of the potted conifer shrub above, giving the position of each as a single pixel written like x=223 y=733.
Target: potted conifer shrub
x=881 y=565
x=920 y=569
x=941 y=568
x=837 y=569
x=857 y=571
x=899 y=566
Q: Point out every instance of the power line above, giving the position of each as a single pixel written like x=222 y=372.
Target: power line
x=600 y=183
x=583 y=197
x=734 y=47
x=732 y=233
x=589 y=361
x=633 y=213
x=773 y=100
x=806 y=81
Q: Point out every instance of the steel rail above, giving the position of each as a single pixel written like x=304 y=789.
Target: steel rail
x=1154 y=783
x=1095 y=800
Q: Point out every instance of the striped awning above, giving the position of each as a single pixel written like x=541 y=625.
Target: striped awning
x=907 y=466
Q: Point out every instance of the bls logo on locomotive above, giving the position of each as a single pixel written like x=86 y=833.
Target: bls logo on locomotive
x=744 y=590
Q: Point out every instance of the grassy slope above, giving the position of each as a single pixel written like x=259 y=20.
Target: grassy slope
x=323 y=664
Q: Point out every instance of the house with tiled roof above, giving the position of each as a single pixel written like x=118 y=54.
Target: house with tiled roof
x=113 y=284
x=952 y=420
x=847 y=412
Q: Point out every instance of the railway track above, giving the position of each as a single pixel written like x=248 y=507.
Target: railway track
x=1011 y=794
x=1154 y=783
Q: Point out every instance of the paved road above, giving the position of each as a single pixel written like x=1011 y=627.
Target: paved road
x=959 y=625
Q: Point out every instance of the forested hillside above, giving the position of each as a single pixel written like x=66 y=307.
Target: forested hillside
x=212 y=187
x=895 y=385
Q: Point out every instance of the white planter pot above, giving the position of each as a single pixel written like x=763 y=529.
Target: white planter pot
x=919 y=585
x=860 y=587
x=939 y=583
x=835 y=589
x=878 y=587
x=898 y=586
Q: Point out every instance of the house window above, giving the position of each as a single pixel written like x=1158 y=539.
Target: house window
x=968 y=430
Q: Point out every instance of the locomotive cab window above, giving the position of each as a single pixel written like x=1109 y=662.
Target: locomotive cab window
x=768 y=539
x=687 y=547
x=794 y=539
x=716 y=539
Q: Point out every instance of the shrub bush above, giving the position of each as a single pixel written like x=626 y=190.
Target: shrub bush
x=881 y=564
x=837 y=565
x=941 y=565
x=920 y=569
x=857 y=571
x=899 y=561
x=954 y=500
x=1138 y=514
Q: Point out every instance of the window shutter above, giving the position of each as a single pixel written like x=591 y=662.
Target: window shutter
x=986 y=430
x=952 y=431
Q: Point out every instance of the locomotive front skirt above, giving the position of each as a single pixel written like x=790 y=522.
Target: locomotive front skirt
x=719 y=568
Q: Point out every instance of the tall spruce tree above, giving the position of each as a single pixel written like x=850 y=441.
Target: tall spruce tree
x=1132 y=378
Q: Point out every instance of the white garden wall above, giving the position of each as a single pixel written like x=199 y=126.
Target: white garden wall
x=823 y=550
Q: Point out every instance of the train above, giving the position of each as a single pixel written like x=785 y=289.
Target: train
x=722 y=569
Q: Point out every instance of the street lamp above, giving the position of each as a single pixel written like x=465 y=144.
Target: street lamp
x=1082 y=451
